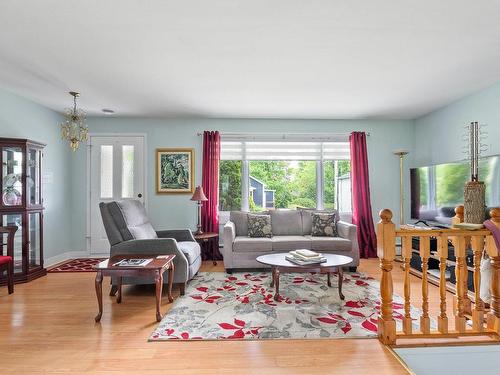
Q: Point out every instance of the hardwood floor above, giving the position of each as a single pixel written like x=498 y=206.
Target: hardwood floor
x=47 y=326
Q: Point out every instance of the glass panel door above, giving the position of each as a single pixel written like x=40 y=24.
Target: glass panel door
x=15 y=219
x=116 y=173
x=33 y=177
x=35 y=240
x=12 y=167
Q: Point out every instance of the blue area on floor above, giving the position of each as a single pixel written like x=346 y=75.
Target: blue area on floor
x=456 y=360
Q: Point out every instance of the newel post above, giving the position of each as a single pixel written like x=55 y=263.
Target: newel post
x=386 y=251
x=494 y=253
x=459 y=215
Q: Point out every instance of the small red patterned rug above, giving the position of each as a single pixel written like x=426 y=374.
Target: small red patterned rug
x=77 y=265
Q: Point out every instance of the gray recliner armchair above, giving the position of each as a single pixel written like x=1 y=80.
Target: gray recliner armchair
x=129 y=231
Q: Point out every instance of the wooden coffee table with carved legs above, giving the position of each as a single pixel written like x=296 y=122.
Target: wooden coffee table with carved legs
x=155 y=269
x=280 y=265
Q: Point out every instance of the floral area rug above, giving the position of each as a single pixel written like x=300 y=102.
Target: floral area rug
x=241 y=306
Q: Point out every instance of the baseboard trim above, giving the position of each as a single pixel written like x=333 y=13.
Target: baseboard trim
x=52 y=261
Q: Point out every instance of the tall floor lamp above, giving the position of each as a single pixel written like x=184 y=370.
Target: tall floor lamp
x=200 y=197
x=401 y=153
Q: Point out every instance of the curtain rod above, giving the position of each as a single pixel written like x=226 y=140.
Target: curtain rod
x=288 y=134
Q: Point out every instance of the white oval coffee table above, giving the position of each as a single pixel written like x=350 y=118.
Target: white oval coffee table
x=279 y=264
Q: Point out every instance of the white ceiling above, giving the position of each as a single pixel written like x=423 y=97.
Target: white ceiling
x=253 y=58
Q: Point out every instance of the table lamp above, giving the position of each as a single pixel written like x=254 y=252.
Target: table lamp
x=200 y=197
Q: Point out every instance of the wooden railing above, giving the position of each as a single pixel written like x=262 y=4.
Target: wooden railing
x=477 y=240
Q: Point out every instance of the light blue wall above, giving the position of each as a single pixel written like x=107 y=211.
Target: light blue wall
x=434 y=138
x=22 y=118
x=438 y=135
x=177 y=211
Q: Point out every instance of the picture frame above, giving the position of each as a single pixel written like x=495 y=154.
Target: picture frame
x=175 y=172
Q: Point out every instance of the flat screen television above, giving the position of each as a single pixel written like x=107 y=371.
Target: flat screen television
x=437 y=189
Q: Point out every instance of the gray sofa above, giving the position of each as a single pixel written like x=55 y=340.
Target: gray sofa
x=129 y=231
x=291 y=231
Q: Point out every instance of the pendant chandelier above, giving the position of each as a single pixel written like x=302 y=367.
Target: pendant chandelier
x=74 y=129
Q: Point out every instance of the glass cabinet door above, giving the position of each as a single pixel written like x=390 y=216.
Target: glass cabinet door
x=33 y=177
x=12 y=172
x=15 y=219
x=35 y=240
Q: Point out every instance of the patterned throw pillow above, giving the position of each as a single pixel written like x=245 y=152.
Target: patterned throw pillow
x=323 y=225
x=259 y=226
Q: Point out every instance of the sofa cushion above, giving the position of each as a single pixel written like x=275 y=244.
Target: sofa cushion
x=259 y=226
x=240 y=220
x=190 y=249
x=287 y=243
x=286 y=222
x=323 y=225
x=243 y=244
x=330 y=244
x=131 y=219
x=306 y=215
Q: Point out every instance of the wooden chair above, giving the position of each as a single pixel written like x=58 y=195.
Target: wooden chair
x=7 y=262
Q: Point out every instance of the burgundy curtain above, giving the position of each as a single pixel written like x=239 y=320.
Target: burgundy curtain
x=210 y=184
x=361 y=205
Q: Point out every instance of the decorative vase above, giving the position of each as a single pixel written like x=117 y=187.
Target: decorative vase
x=474 y=202
x=11 y=197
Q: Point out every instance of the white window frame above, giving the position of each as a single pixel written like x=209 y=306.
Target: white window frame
x=277 y=137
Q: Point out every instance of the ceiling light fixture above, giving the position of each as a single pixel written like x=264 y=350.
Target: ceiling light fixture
x=74 y=129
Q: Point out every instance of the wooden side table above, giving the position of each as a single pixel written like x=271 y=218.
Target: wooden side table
x=205 y=238
x=154 y=268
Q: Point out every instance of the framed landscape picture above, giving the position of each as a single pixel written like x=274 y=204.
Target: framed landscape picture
x=174 y=170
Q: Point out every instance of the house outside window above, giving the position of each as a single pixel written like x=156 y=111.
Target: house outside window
x=260 y=198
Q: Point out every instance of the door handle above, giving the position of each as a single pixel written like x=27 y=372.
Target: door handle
x=139 y=195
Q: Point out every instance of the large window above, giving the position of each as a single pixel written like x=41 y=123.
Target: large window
x=230 y=185
x=263 y=174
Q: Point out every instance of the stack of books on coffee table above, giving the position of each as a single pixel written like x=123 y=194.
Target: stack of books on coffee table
x=304 y=257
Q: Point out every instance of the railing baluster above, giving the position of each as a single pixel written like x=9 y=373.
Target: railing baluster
x=461 y=239
x=466 y=302
x=406 y=253
x=425 y=321
x=494 y=315
x=442 y=246
x=494 y=253
x=478 y=312
x=386 y=250
x=459 y=244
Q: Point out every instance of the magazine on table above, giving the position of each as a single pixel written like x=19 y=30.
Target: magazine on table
x=133 y=262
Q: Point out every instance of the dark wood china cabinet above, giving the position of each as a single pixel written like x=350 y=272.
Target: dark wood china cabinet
x=21 y=205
